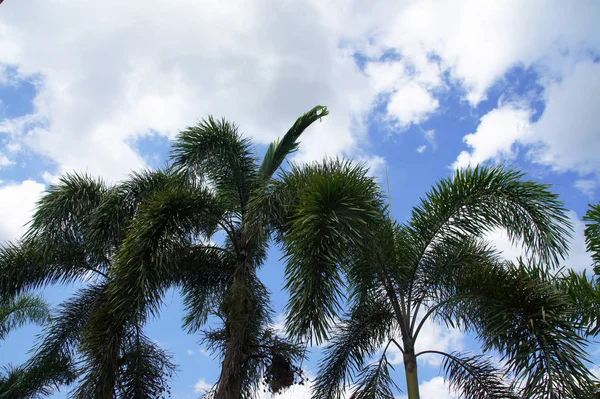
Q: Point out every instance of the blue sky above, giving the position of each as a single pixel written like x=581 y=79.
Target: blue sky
x=417 y=87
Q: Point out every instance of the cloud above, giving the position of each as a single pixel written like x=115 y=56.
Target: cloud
x=478 y=42
x=568 y=129
x=495 y=138
x=565 y=137
x=421 y=149
x=202 y=386
x=411 y=104
x=587 y=186
x=17 y=202
x=124 y=71
x=4 y=161
x=436 y=388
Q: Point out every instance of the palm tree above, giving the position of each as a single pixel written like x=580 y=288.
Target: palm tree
x=62 y=246
x=438 y=266
x=152 y=232
x=227 y=190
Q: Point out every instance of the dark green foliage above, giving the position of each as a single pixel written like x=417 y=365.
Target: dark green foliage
x=438 y=265
x=21 y=310
x=592 y=234
x=475 y=377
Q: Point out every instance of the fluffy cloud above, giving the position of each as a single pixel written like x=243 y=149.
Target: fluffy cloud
x=495 y=137
x=117 y=72
x=564 y=138
x=121 y=71
x=17 y=202
x=436 y=388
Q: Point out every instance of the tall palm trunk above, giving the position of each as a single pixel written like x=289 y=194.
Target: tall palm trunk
x=239 y=309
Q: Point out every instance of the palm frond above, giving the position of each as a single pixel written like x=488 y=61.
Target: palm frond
x=475 y=376
x=592 y=234
x=476 y=201
x=320 y=212
x=279 y=149
x=30 y=264
x=585 y=294
x=23 y=309
x=18 y=382
x=375 y=382
x=146 y=369
x=214 y=151
x=518 y=311
x=357 y=338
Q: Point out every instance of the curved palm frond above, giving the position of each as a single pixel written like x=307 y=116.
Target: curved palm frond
x=476 y=201
x=321 y=212
x=147 y=263
x=475 y=376
x=215 y=152
x=516 y=310
x=23 y=309
x=375 y=381
x=356 y=339
x=18 y=382
x=592 y=234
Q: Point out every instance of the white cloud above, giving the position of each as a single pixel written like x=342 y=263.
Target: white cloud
x=568 y=129
x=17 y=202
x=409 y=100
x=4 y=161
x=587 y=186
x=189 y=352
x=566 y=137
x=436 y=388
x=125 y=70
x=202 y=386
x=479 y=41
x=496 y=135
x=411 y=104
x=421 y=149
x=578 y=258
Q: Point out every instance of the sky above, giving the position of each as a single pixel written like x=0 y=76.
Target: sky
x=417 y=88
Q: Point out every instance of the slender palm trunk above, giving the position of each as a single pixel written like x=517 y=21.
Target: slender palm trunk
x=410 y=368
x=239 y=310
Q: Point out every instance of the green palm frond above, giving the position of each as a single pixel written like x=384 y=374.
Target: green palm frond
x=592 y=234
x=215 y=152
x=23 y=309
x=515 y=310
x=30 y=264
x=357 y=338
x=322 y=211
x=476 y=201
x=475 y=376
x=375 y=382
x=146 y=369
x=18 y=382
x=585 y=294
x=288 y=144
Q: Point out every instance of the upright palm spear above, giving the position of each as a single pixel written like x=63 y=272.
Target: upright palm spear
x=438 y=266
